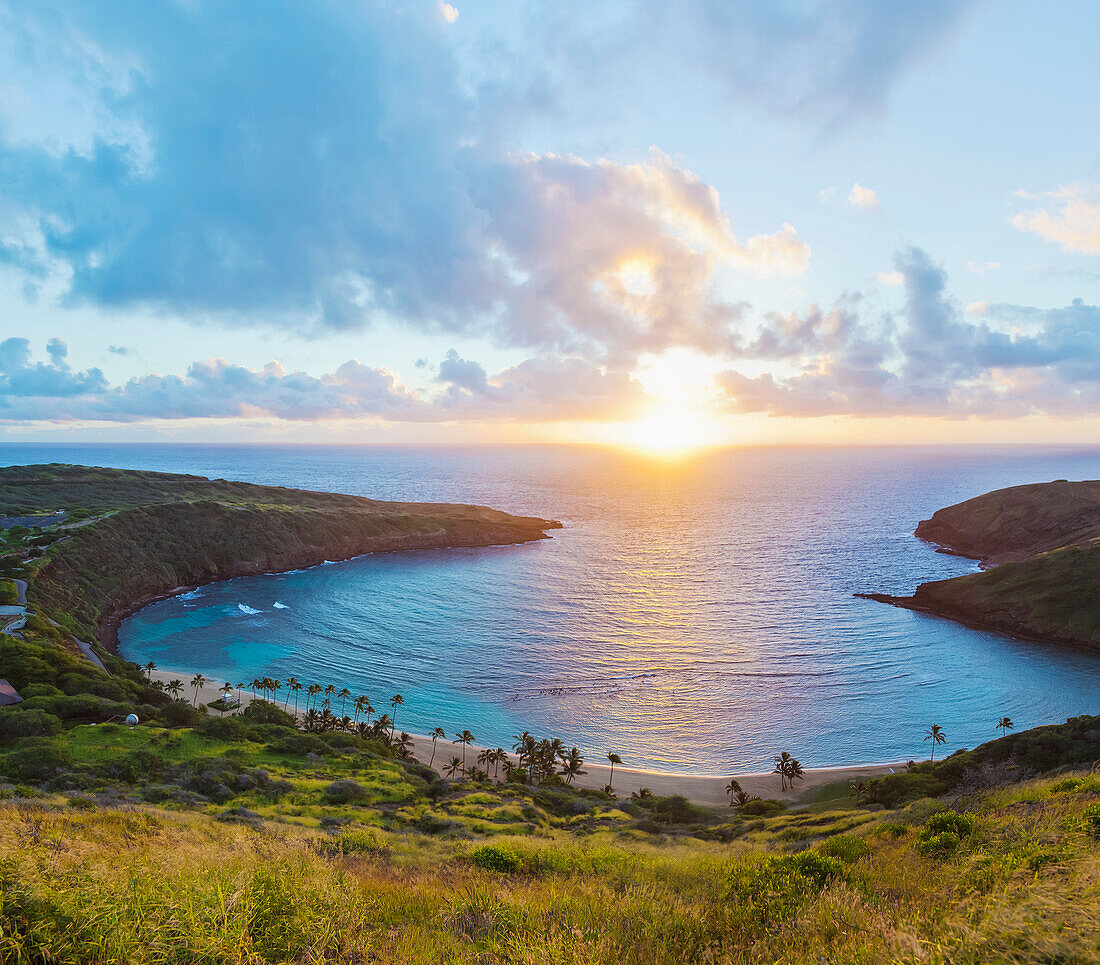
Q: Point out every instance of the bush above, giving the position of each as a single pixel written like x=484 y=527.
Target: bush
x=180 y=714
x=82 y=707
x=847 y=847
x=894 y=790
x=265 y=712
x=943 y=833
x=497 y=857
x=345 y=791
x=773 y=890
x=299 y=744
x=80 y=803
x=28 y=723
x=762 y=808
x=34 y=759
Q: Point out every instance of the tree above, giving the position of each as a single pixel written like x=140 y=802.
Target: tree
x=436 y=734
x=343 y=695
x=615 y=759
x=571 y=768
x=402 y=745
x=226 y=689
x=500 y=756
x=782 y=764
x=936 y=735
x=294 y=685
x=1004 y=725
x=175 y=688
x=149 y=668
x=197 y=683
x=465 y=738
x=453 y=768
x=311 y=694
x=738 y=796
x=395 y=701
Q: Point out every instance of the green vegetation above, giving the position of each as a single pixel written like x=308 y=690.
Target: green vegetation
x=1013 y=880
x=206 y=833
x=1045 y=539
x=144 y=534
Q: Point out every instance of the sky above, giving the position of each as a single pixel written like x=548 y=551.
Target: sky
x=661 y=226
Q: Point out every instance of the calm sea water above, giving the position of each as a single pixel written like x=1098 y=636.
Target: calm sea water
x=695 y=615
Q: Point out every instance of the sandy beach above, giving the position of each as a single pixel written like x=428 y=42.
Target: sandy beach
x=698 y=788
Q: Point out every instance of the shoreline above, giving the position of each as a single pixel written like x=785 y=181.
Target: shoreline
x=706 y=789
x=109 y=625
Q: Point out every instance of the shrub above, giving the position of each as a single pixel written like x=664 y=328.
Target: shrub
x=891 y=829
x=180 y=714
x=34 y=758
x=356 y=841
x=80 y=803
x=345 y=791
x=943 y=833
x=773 y=890
x=300 y=744
x=847 y=847
x=1091 y=819
x=265 y=712
x=497 y=857
x=28 y=723
x=894 y=790
x=763 y=808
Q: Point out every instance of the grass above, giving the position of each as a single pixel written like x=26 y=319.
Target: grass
x=150 y=886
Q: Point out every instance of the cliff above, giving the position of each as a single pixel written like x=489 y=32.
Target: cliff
x=143 y=535
x=1042 y=542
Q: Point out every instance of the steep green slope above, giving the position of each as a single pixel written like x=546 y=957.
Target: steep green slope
x=143 y=534
x=1043 y=541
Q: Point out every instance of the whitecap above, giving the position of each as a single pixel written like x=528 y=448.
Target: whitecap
x=189 y=596
x=280 y=606
x=246 y=609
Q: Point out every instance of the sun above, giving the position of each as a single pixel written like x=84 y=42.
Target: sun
x=670 y=432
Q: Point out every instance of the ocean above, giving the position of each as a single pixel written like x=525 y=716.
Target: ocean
x=693 y=615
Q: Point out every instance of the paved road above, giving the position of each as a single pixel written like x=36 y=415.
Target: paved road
x=21 y=589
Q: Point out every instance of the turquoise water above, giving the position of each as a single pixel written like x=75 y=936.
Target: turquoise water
x=696 y=615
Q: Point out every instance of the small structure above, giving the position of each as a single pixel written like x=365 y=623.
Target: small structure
x=8 y=694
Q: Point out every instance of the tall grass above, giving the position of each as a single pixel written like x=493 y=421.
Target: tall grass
x=1020 y=885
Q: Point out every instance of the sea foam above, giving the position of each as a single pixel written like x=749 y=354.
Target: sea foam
x=246 y=609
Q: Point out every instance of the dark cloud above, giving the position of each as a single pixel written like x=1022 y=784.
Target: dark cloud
x=20 y=378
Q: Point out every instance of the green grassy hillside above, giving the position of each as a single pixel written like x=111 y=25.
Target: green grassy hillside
x=131 y=536
x=1045 y=542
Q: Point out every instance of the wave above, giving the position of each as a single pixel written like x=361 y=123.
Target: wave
x=190 y=595
x=279 y=606
x=247 y=609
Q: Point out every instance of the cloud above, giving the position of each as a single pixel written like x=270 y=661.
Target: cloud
x=928 y=361
x=861 y=197
x=825 y=63
x=895 y=279
x=220 y=170
x=544 y=389
x=610 y=260
x=119 y=350
x=1068 y=216
x=982 y=267
x=448 y=12
x=22 y=378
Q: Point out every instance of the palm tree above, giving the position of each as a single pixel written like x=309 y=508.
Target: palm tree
x=197 y=683
x=293 y=686
x=782 y=765
x=395 y=701
x=1004 y=725
x=436 y=734
x=311 y=694
x=240 y=688
x=357 y=705
x=454 y=767
x=276 y=686
x=485 y=758
x=572 y=765
x=465 y=739
x=343 y=695
x=256 y=685
x=794 y=772
x=734 y=787
x=149 y=668
x=330 y=690
x=615 y=759
x=175 y=688
x=936 y=735
x=500 y=756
